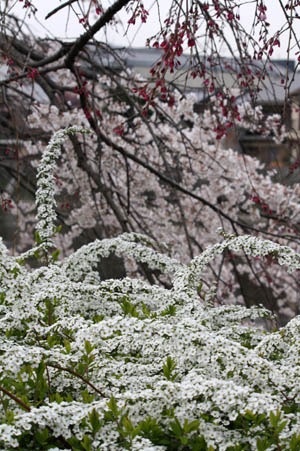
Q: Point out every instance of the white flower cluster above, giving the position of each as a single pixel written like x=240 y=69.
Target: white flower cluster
x=253 y=119
x=122 y=364
x=45 y=201
x=98 y=361
x=250 y=245
x=132 y=245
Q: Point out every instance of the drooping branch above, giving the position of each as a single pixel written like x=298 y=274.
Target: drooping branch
x=106 y=17
x=177 y=185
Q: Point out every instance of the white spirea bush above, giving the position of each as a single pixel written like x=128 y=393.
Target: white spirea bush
x=88 y=364
x=107 y=194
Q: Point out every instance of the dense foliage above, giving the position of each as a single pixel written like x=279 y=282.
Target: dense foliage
x=121 y=364
x=166 y=357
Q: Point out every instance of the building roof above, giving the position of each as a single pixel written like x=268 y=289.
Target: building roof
x=271 y=89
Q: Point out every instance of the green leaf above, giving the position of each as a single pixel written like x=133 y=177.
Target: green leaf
x=199 y=288
x=40 y=384
x=57 y=229
x=15 y=271
x=294 y=444
x=98 y=318
x=2 y=298
x=67 y=346
x=9 y=416
x=190 y=427
x=113 y=406
x=55 y=255
x=176 y=428
x=37 y=255
x=86 y=443
x=128 y=308
x=88 y=347
x=127 y=426
x=37 y=238
x=41 y=436
x=262 y=444
x=168 y=369
x=87 y=398
x=56 y=397
x=171 y=311
x=275 y=418
x=146 y=311
x=149 y=428
x=95 y=421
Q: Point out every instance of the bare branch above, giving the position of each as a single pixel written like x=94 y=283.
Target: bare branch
x=100 y=23
x=59 y=8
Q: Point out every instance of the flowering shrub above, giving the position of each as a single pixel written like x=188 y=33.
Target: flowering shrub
x=151 y=164
x=166 y=176
x=88 y=364
x=174 y=182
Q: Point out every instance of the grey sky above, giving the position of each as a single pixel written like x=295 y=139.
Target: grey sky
x=67 y=25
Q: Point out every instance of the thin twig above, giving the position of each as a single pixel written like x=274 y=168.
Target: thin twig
x=74 y=373
x=15 y=398
x=63 y=5
x=106 y=17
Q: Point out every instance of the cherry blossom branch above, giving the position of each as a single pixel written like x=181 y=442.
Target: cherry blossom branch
x=82 y=163
x=178 y=186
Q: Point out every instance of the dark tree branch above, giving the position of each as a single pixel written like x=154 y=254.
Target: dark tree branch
x=60 y=7
x=65 y=47
x=83 y=164
x=106 y=17
x=172 y=183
